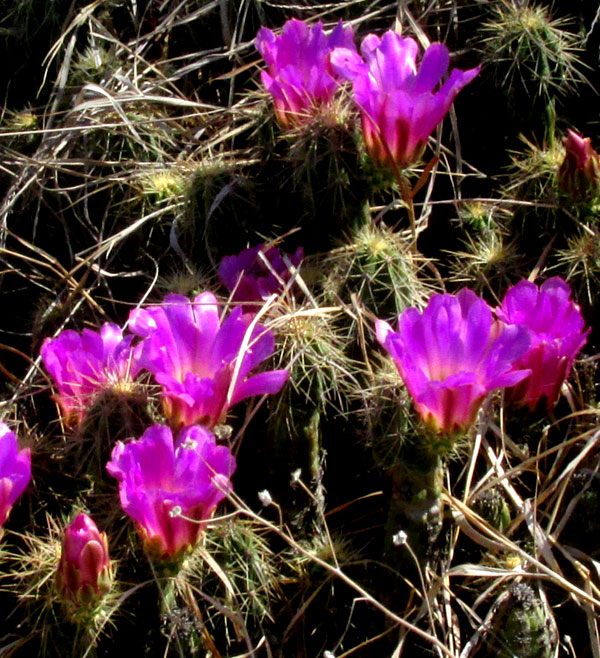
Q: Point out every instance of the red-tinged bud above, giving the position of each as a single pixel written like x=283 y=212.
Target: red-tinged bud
x=84 y=572
x=579 y=173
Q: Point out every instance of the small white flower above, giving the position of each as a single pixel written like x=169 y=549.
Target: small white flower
x=265 y=498
x=296 y=475
x=399 y=539
x=189 y=443
x=176 y=511
x=328 y=654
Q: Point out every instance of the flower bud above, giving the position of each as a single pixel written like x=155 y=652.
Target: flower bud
x=579 y=173
x=84 y=572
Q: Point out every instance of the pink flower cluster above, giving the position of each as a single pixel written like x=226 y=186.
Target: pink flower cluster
x=203 y=364
x=455 y=352
x=172 y=478
x=400 y=102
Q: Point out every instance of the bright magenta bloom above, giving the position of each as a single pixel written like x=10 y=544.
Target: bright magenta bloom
x=84 y=364
x=171 y=490
x=557 y=335
x=299 y=76
x=452 y=355
x=15 y=471
x=201 y=364
x=250 y=279
x=579 y=173
x=398 y=102
x=84 y=571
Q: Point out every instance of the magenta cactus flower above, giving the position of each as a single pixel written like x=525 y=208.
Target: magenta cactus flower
x=451 y=356
x=84 y=571
x=83 y=364
x=201 y=363
x=579 y=173
x=15 y=471
x=171 y=490
x=299 y=76
x=398 y=101
x=557 y=335
x=257 y=272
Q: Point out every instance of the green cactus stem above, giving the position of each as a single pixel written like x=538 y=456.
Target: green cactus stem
x=415 y=507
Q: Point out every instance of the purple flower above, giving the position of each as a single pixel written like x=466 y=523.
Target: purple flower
x=84 y=571
x=84 y=364
x=201 y=364
x=15 y=471
x=579 y=173
x=299 y=76
x=399 y=107
x=171 y=491
x=257 y=272
x=557 y=335
x=452 y=355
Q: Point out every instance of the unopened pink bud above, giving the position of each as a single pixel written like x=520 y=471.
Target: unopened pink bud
x=84 y=569
x=579 y=173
